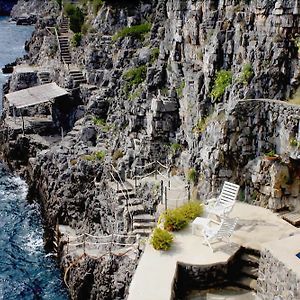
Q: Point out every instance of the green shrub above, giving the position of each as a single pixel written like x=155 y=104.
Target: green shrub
x=99 y=121
x=178 y=218
x=100 y=155
x=135 y=76
x=191 y=175
x=97 y=4
x=191 y=210
x=102 y=124
x=161 y=239
x=294 y=142
x=247 y=74
x=69 y=9
x=154 y=54
x=201 y=125
x=136 y=31
x=76 y=17
x=175 y=147
x=222 y=81
x=271 y=153
x=179 y=89
x=174 y=220
x=76 y=39
x=59 y=3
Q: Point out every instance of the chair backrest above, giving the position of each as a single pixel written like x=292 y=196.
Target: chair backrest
x=228 y=194
x=226 y=228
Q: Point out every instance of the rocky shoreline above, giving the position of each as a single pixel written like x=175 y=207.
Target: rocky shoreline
x=138 y=99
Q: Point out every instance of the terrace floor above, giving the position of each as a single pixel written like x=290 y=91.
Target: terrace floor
x=257 y=228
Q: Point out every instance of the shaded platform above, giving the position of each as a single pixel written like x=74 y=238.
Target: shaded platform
x=35 y=95
x=257 y=226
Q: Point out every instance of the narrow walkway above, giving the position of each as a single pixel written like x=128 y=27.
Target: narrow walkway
x=154 y=276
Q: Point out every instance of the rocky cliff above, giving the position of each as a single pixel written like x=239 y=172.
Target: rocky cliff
x=178 y=79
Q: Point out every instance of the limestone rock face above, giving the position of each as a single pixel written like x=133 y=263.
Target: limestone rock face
x=147 y=92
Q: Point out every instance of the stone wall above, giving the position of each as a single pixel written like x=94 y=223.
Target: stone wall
x=189 y=277
x=233 y=144
x=276 y=281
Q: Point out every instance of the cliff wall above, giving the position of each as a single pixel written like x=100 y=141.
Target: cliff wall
x=146 y=92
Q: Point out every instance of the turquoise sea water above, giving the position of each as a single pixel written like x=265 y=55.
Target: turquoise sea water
x=12 y=40
x=26 y=270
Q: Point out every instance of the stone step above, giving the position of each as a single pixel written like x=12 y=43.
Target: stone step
x=78 y=82
x=136 y=209
x=77 y=77
x=123 y=195
x=143 y=225
x=250 y=259
x=142 y=232
x=250 y=271
x=134 y=201
x=75 y=73
x=246 y=282
x=145 y=218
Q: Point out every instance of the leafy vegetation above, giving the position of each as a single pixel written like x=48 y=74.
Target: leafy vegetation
x=247 y=74
x=154 y=54
x=76 y=39
x=102 y=124
x=59 y=3
x=136 y=31
x=97 y=4
x=161 y=239
x=271 y=153
x=179 y=89
x=191 y=175
x=192 y=210
x=175 y=147
x=222 y=81
x=135 y=76
x=76 y=16
x=201 y=125
x=178 y=218
x=294 y=142
x=99 y=155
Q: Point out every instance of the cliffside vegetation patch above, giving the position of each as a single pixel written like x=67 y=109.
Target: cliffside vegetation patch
x=76 y=16
x=136 y=31
x=222 y=81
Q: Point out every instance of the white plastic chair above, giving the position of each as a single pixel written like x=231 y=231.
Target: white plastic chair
x=223 y=205
x=221 y=232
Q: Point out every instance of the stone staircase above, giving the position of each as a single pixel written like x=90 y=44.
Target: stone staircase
x=64 y=45
x=64 y=26
x=142 y=221
x=77 y=77
x=247 y=272
x=44 y=77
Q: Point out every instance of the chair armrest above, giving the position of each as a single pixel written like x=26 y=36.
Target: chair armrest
x=210 y=201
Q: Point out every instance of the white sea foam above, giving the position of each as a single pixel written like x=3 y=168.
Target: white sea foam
x=33 y=242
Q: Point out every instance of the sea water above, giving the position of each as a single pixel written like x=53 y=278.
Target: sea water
x=26 y=270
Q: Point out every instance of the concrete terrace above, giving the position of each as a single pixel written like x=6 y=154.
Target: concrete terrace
x=258 y=228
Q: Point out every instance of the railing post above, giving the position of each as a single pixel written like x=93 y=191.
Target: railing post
x=169 y=180
x=189 y=192
x=161 y=191
x=68 y=245
x=84 y=243
x=166 y=200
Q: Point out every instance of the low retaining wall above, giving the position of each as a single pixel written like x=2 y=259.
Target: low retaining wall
x=276 y=281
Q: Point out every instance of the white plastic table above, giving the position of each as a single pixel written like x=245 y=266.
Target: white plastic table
x=203 y=222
